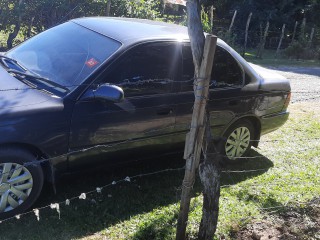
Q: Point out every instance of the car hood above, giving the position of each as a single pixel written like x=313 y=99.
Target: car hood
x=18 y=98
x=270 y=80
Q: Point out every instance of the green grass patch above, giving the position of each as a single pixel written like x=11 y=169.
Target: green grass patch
x=269 y=59
x=147 y=207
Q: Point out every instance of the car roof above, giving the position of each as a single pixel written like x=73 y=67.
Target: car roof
x=131 y=30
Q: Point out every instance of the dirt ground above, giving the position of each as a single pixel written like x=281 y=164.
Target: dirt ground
x=300 y=222
x=305 y=82
x=292 y=223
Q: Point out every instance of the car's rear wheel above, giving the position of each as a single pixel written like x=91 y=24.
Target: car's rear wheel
x=20 y=183
x=238 y=140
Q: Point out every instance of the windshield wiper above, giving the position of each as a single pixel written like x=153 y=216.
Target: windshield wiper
x=23 y=76
x=6 y=60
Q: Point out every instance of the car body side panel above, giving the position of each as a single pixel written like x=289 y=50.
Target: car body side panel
x=127 y=128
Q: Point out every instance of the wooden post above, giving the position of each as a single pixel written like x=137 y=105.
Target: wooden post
x=211 y=18
x=302 y=28
x=232 y=21
x=281 y=38
x=294 y=31
x=195 y=136
x=263 y=42
x=311 y=37
x=246 y=35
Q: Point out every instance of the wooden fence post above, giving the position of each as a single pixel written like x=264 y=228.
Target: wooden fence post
x=194 y=138
x=302 y=28
x=281 y=38
x=294 y=31
x=246 y=34
x=232 y=21
x=263 y=41
x=311 y=37
x=211 y=17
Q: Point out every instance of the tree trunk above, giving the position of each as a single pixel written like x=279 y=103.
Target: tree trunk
x=195 y=32
x=29 y=28
x=108 y=7
x=246 y=35
x=17 y=27
x=210 y=175
x=195 y=136
x=281 y=38
x=203 y=54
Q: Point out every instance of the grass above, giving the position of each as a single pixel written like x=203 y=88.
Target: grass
x=269 y=59
x=147 y=207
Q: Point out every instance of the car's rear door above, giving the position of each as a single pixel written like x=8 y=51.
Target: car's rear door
x=227 y=100
x=143 y=123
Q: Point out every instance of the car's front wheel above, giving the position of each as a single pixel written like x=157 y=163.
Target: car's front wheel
x=238 y=140
x=20 y=182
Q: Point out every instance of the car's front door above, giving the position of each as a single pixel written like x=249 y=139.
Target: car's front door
x=142 y=123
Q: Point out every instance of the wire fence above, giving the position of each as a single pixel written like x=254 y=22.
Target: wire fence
x=128 y=179
x=98 y=190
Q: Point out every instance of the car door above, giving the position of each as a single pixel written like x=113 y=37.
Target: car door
x=227 y=101
x=141 y=124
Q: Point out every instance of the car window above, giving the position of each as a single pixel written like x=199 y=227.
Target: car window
x=146 y=69
x=226 y=71
x=66 y=54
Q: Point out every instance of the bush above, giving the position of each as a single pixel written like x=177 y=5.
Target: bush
x=300 y=50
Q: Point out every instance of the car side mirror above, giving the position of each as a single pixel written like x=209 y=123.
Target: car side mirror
x=109 y=92
x=105 y=92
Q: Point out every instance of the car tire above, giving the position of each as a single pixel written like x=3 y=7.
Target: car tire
x=238 y=140
x=20 y=183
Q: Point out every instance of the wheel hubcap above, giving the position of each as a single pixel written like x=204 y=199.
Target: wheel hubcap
x=15 y=185
x=237 y=142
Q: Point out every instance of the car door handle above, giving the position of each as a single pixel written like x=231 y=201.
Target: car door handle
x=164 y=111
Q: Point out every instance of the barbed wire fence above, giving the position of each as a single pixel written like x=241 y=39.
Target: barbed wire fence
x=83 y=196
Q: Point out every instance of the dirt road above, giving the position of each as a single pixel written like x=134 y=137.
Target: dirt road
x=305 y=82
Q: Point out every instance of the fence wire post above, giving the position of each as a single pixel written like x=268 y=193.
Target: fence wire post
x=195 y=136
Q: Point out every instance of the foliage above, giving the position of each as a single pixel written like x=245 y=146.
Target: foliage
x=206 y=23
x=228 y=36
x=33 y=16
x=300 y=50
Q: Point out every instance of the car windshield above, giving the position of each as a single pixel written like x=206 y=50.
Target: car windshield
x=66 y=54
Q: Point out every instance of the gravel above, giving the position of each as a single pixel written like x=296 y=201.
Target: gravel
x=305 y=82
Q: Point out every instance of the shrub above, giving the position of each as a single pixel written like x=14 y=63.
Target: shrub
x=300 y=50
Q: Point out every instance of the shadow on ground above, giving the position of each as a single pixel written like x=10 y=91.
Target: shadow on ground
x=119 y=202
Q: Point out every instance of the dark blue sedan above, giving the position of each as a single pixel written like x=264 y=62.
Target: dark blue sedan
x=109 y=90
